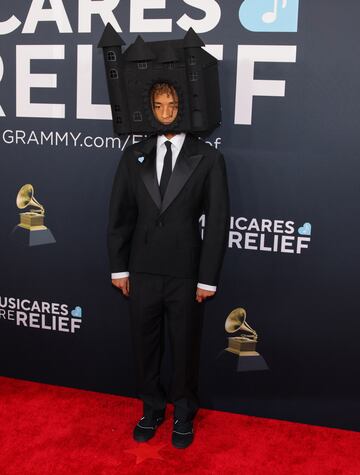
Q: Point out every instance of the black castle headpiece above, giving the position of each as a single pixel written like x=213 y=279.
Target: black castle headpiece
x=182 y=63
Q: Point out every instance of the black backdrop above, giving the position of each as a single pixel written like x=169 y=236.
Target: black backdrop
x=296 y=161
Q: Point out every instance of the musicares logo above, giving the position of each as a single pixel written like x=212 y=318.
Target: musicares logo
x=271 y=235
x=41 y=315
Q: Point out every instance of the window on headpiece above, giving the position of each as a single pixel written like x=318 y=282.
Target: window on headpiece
x=192 y=60
x=117 y=108
x=118 y=119
x=142 y=65
x=193 y=76
x=137 y=116
x=111 y=56
x=113 y=74
x=171 y=65
x=195 y=101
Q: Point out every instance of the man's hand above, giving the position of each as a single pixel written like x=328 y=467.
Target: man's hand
x=122 y=284
x=202 y=294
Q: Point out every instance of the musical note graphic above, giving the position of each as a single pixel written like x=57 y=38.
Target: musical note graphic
x=271 y=16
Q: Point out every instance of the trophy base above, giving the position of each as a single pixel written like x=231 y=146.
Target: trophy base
x=32 y=221
x=32 y=228
x=242 y=352
x=33 y=237
x=245 y=361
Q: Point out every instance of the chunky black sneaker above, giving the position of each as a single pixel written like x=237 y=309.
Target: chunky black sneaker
x=183 y=434
x=146 y=427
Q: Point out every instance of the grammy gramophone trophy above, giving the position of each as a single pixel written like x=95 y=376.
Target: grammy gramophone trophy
x=244 y=345
x=32 y=221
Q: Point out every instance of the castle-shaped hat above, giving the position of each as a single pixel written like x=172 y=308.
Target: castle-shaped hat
x=183 y=64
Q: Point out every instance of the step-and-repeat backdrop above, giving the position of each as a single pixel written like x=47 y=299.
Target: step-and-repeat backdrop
x=281 y=337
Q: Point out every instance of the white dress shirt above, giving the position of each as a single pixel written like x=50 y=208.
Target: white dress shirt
x=176 y=144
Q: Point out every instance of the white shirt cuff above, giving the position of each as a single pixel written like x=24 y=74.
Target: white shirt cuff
x=212 y=288
x=119 y=275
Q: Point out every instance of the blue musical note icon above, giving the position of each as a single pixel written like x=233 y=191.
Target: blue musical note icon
x=269 y=15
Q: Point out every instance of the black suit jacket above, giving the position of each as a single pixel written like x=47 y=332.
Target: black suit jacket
x=146 y=234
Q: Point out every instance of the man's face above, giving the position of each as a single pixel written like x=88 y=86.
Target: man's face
x=165 y=107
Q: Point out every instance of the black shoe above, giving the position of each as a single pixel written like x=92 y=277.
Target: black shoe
x=146 y=427
x=183 y=434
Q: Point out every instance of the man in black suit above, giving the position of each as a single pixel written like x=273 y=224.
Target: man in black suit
x=161 y=188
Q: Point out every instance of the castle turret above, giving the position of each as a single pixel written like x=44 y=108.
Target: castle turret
x=192 y=46
x=139 y=51
x=111 y=43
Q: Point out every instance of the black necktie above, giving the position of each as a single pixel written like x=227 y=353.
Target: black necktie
x=167 y=169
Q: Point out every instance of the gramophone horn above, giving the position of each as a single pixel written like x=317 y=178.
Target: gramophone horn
x=25 y=197
x=235 y=319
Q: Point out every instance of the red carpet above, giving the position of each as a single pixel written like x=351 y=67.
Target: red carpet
x=52 y=430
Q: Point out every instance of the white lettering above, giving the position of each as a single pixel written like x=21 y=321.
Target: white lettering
x=104 y=8
x=212 y=16
x=8 y=136
x=63 y=323
x=253 y=225
x=2 y=113
x=262 y=244
x=278 y=226
x=112 y=142
x=34 y=320
x=84 y=107
x=237 y=223
x=10 y=25
x=33 y=138
x=59 y=139
x=47 y=138
x=276 y=243
x=25 y=81
x=290 y=227
x=139 y=24
x=302 y=244
x=75 y=137
x=266 y=225
x=234 y=239
x=98 y=142
x=43 y=323
x=56 y=13
x=20 y=136
x=287 y=241
x=21 y=318
x=247 y=86
x=74 y=324
x=64 y=309
x=11 y=315
x=250 y=239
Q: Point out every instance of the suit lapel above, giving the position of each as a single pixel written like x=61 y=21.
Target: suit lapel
x=148 y=170
x=185 y=165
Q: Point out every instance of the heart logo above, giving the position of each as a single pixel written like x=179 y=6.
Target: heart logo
x=140 y=159
x=305 y=229
x=76 y=312
x=269 y=15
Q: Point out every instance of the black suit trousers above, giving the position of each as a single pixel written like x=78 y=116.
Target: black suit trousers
x=154 y=298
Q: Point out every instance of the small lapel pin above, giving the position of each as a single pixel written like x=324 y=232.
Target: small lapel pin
x=141 y=159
